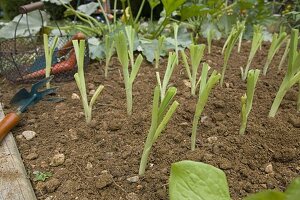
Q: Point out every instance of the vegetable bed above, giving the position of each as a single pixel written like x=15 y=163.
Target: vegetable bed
x=266 y=157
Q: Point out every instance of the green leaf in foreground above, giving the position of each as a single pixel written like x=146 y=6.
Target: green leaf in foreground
x=196 y=180
x=267 y=195
x=293 y=190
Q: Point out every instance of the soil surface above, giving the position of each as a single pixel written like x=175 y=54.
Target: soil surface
x=101 y=160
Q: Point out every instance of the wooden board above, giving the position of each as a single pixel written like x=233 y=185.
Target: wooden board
x=14 y=183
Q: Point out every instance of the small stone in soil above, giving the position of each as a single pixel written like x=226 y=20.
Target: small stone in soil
x=104 y=180
x=73 y=134
x=212 y=139
x=89 y=165
x=32 y=156
x=29 y=134
x=52 y=185
x=133 y=179
x=75 y=96
x=57 y=160
x=269 y=168
x=132 y=196
x=294 y=121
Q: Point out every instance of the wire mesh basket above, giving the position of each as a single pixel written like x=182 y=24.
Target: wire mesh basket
x=22 y=59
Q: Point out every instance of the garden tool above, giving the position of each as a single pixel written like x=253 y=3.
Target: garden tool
x=24 y=99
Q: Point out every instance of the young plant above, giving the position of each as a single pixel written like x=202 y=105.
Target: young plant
x=236 y=31
x=160 y=118
x=80 y=81
x=292 y=75
x=285 y=54
x=175 y=26
x=109 y=50
x=48 y=55
x=41 y=176
x=204 y=91
x=130 y=34
x=197 y=180
x=247 y=98
x=256 y=43
x=196 y=52
x=122 y=51
x=170 y=68
x=159 y=49
x=211 y=33
x=277 y=41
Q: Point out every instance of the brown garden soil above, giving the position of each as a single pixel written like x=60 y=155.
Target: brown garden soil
x=99 y=158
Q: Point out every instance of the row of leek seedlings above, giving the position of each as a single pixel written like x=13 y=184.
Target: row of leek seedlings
x=49 y=52
x=292 y=75
x=161 y=115
x=172 y=59
x=277 y=41
x=204 y=91
x=123 y=54
x=247 y=98
x=196 y=54
x=80 y=81
x=256 y=43
x=235 y=33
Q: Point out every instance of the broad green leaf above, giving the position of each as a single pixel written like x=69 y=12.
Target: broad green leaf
x=89 y=8
x=293 y=190
x=34 y=23
x=267 y=195
x=193 y=11
x=197 y=181
x=58 y=2
x=96 y=48
x=172 y=5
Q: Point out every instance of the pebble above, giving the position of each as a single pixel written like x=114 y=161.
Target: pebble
x=132 y=196
x=29 y=134
x=212 y=139
x=133 y=179
x=75 y=96
x=219 y=116
x=91 y=86
x=57 y=160
x=294 y=121
x=114 y=125
x=225 y=165
x=219 y=104
x=52 y=185
x=49 y=198
x=73 y=134
x=92 y=92
x=269 y=168
x=32 y=156
x=104 y=180
x=187 y=83
x=89 y=165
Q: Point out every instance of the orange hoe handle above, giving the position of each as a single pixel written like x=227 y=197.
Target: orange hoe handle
x=9 y=122
x=63 y=50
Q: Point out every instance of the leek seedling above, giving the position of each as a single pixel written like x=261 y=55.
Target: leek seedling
x=122 y=51
x=204 y=91
x=159 y=49
x=211 y=33
x=196 y=52
x=80 y=81
x=175 y=26
x=48 y=55
x=277 y=41
x=256 y=43
x=292 y=76
x=285 y=54
x=130 y=33
x=236 y=31
x=247 y=98
x=170 y=68
x=160 y=118
x=109 y=50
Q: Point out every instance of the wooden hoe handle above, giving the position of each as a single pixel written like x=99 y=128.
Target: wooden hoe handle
x=9 y=122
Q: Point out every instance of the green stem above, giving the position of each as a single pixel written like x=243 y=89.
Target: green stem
x=139 y=12
x=194 y=132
